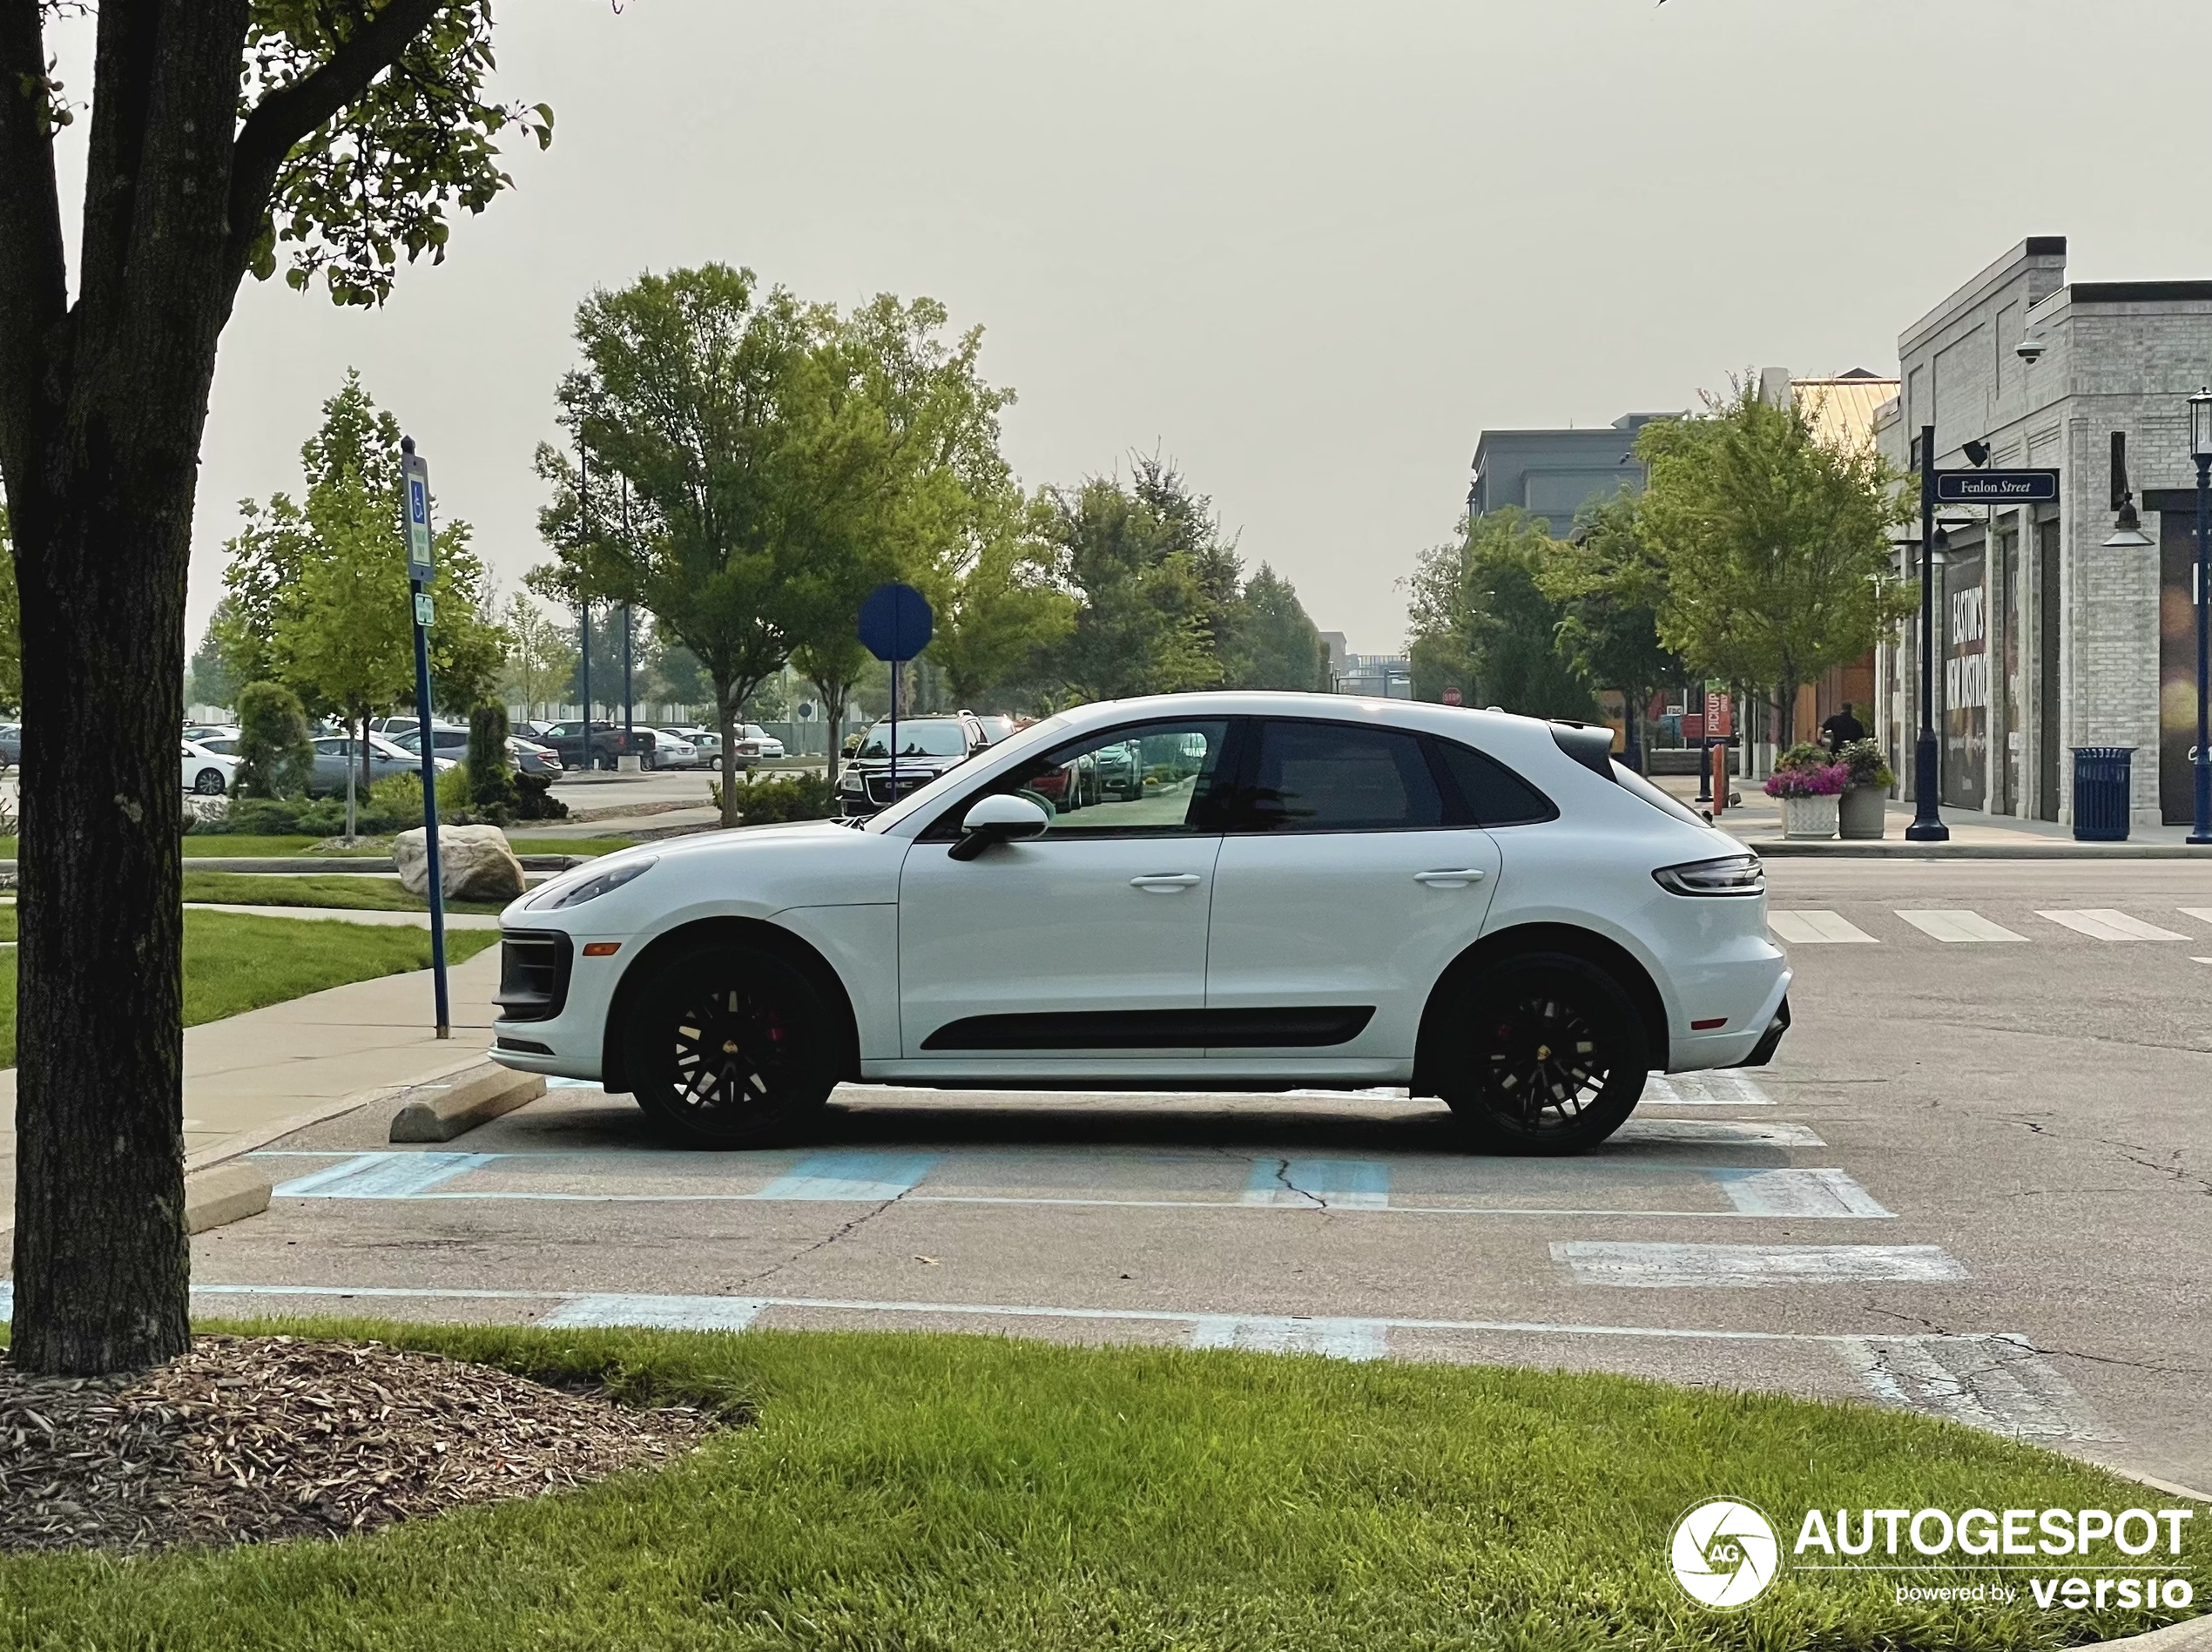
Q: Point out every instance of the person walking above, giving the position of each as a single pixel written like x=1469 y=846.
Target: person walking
x=1841 y=729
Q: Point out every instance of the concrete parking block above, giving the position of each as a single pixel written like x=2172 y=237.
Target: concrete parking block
x=443 y=1109
x=225 y=1193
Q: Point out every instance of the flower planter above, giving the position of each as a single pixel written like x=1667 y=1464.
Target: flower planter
x=1809 y=817
x=1865 y=812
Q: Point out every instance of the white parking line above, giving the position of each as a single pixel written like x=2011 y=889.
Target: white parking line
x=1809 y=928
x=1797 y=1193
x=1957 y=926
x=869 y=1177
x=382 y=1176
x=1336 y=1184
x=1997 y=1383
x=1608 y=1263
x=2103 y=923
x=1703 y=1089
x=1335 y=1339
x=657 y=1314
x=1725 y=1131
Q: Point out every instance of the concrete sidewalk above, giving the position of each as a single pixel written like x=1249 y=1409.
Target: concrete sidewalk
x=351 y=914
x=266 y=1072
x=1758 y=821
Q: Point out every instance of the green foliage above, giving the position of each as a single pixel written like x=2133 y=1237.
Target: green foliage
x=1481 y=621
x=544 y=657
x=800 y=796
x=1867 y=764
x=396 y=801
x=276 y=759
x=382 y=174
x=1609 y=587
x=1276 y=643
x=490 y=769
x=1774 y=547
x=1805 y=755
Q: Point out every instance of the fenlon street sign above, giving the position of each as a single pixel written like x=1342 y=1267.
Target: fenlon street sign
x=417 y=471
x=1997 y=487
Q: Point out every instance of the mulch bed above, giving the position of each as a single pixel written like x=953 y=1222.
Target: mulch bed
x=249 y=1438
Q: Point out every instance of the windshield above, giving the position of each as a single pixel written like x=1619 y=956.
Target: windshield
x=917 y=740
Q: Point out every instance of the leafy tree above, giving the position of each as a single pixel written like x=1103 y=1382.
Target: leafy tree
x=543 y=659
x=833 y=664
x=1774 y=547
x=491 y=773
x=276 y=759
x=1145 y=568
x=1611 y=588
x=1000 y=607
x=209 y=679
x=678 y=679
x=1277 y=646
x=1482 y=623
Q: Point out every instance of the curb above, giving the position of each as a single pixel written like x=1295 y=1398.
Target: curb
x=473 y=1095
x=2192 y=1634
x=228 y=1193
x=2058 y=849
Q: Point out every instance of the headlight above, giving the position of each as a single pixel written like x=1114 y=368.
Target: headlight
x=1731 y=874
x=851 y=781
x=575 y=894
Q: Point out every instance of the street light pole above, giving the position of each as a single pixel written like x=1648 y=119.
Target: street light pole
x=1927 y=821
x=2200 y=756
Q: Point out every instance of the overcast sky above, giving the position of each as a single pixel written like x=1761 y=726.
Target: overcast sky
x=1309 y=250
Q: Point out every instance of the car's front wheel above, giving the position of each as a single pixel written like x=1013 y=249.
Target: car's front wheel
x=1539 y=1053
x=729 y=1046
x=208 y=783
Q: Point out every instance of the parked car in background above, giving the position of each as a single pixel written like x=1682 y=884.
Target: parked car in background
x=335 y=754
x=928 y=747
x=206 y=731
x=10 y=745
x=658 y=749
x=567 y=742
x=997 y=726
x=705 y=745
x=209 y=773
x=764 y=744
x=451 y=740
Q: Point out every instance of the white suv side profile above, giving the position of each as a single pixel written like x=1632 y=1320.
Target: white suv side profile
x=1223 y=890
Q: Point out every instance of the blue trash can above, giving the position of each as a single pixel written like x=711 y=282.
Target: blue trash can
x=2100 y=778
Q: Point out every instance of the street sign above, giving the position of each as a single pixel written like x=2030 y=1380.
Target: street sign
x=424 y=615
x=1997 y=487
x=895 y=621
x=1720 y=712
x=1451 y=696
x=1693 y=725
x=417 y=470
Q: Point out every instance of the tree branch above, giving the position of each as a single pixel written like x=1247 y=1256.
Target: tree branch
x=286 y=116
x=34 y=272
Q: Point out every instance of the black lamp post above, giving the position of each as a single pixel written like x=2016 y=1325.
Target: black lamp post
x=1927 y=822
x=2201 y=755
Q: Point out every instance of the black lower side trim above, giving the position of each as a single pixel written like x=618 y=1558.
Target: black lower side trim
x=1772 y=1039
x=1307 y=1027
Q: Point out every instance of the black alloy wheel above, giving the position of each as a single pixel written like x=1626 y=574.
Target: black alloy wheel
x=730 y=1045
x=1544 y=1053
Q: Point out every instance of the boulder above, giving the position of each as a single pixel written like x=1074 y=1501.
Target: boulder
x=476 y=862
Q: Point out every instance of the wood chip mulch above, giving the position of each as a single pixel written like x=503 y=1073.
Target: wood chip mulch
x=249 y=1438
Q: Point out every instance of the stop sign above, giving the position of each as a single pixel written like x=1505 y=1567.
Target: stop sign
x=1451 y=696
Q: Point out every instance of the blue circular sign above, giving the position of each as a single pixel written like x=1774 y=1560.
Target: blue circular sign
x=895 y=621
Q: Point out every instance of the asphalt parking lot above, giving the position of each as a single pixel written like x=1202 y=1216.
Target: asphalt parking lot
x=1977 y=1182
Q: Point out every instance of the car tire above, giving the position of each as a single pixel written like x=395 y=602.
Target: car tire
x=208 y=783
x=760 y=1029
x=1548 y=1026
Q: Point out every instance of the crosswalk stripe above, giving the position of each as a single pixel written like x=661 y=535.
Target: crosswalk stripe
x=1703 y=1089
x=1992 y=1382
x=1792 y=1192
x=835 y=1176
x=1336 y=1184
x=1333 y=1338
x=2202 y=914
x=1609 y=1263
x=1959 y=926
x=2104 y=923
x=1809 y=929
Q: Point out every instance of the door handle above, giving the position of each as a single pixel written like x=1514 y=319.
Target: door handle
x=1450 y=880
x=1165 y=883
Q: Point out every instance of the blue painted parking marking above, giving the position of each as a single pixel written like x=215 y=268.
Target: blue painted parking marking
x=657 y=1314
x=870 y=1177
x=1335 y=1184
x=1269 y=1334
x=383 y=1175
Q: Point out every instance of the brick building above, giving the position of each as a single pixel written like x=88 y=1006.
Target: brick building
x=2045 y=640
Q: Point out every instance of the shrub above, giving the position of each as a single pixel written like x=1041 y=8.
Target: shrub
x=1805 y=755
x=1867 y=766
x=395 y=802
x=534 y=800
x=803 y=796
x=275 y=757
x=491 y=771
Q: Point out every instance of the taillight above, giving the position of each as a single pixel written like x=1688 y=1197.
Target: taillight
x=1728 y=874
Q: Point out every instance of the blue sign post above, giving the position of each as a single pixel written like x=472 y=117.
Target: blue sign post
x=417 y=474
x=895 y=625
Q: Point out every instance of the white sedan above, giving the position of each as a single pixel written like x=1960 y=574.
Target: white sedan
x=1285 y=890
x=207 y=772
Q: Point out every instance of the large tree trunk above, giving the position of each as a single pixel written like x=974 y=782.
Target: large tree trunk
x=833 y=697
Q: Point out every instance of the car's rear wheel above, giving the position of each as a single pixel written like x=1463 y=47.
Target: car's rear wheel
x=208 y=783
x=1539 y=1053
x=730 y=1045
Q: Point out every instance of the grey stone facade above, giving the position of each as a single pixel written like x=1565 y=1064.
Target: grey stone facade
x=2068 y=633
x=1553 y=473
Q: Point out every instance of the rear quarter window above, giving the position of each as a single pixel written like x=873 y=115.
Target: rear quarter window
x=1492 y=793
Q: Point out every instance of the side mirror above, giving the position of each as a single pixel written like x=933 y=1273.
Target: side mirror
x=1001 y=818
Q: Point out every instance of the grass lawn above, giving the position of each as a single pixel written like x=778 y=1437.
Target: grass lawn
x=219 y=847
x=341 y=889
x=913 y=1492
x=234 y=962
